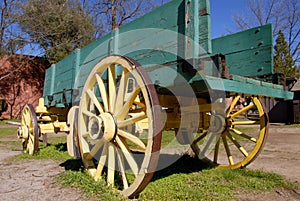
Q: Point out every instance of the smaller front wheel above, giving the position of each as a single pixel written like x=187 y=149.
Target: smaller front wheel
x=29 y=132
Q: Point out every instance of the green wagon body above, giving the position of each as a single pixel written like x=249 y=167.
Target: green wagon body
x=161 y=40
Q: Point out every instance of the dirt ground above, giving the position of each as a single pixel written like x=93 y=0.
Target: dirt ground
x=26 y=180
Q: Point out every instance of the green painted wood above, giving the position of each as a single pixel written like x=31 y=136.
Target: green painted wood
x=259 y=88
x=159 y=41
x=174 y=31
x=248 y=53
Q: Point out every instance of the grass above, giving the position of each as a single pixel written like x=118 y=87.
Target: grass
x=55 y=150
x=186 y=179
x=80 y=179
x=212 y=184
x=3 y=121
x=291 y=126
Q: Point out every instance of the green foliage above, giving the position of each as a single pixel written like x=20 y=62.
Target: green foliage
x=55 y=150
x=212 y=184
x=206 y=184
x=88 y=185
x=8 y=138
x=58 y=26
x=283 y=61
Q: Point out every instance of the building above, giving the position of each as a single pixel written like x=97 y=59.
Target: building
x=21 y=82
x=296 y=101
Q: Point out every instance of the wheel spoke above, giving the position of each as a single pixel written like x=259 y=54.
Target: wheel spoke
x=235 y=123
x=128 y=155
x=123 y=112
x=200 y=137
x=112 y=87
x=233 y=103
x=237 y=144
x=133 y=139
x=122 y=168
x=101 y=162
x=111 y=164
x=122 y=90
x=229 y=156
x=252 y=139
x=84 y=144
x=25 y=118
x=30 y=144
x=95 y=101
x=208 y=144
x=88 y=113
x=241 y=111
x=132 y=120
x=96 y=148
x=102 y=92
x=216 y=153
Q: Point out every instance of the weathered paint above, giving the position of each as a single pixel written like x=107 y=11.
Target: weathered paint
x=248 y=53
x=159 y=41
x=247 y=87
x=173 y=31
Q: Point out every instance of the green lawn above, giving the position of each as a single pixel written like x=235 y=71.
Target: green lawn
x=187 y=179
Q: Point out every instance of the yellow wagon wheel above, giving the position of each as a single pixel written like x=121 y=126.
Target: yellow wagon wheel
x=29 y=130
x=235 y=139
x=117 y=94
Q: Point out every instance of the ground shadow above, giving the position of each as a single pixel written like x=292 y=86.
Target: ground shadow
x=73 y=164
x=182 y=164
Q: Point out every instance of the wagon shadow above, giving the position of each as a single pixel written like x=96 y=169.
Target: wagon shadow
x=168 y=164
x=73 y=165
x=181 y=164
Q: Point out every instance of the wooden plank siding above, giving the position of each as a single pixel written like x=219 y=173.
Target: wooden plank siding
x=169 y=33
x=161 y=41
x=248 y=53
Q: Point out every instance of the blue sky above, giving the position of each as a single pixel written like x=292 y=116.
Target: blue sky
x=221 y=15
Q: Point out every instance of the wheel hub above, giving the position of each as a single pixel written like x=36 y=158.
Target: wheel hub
x=103 y=126
x=23 y=132
x=218 y=124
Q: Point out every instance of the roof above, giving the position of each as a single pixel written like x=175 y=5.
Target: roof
x=296 y=86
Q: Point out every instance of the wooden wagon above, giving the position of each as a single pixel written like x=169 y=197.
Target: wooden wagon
x=162 y=73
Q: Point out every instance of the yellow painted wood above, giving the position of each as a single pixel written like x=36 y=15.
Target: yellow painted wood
x=102 y=91
x=112 y=87
x=111 y=167
x=107 y=121
x=122 y=89
x=28 y=130
x=239 y=146
x=132 y=138
x=40 y=108
x=101 y=163
x=121 y=164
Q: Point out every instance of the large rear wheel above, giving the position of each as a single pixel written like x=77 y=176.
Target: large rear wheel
x=117 y=95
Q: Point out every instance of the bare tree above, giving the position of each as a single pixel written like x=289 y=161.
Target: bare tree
x=110 y=14
x=10 y=40
x=283 y=14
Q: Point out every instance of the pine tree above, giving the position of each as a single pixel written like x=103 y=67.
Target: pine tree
x=283 y=61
